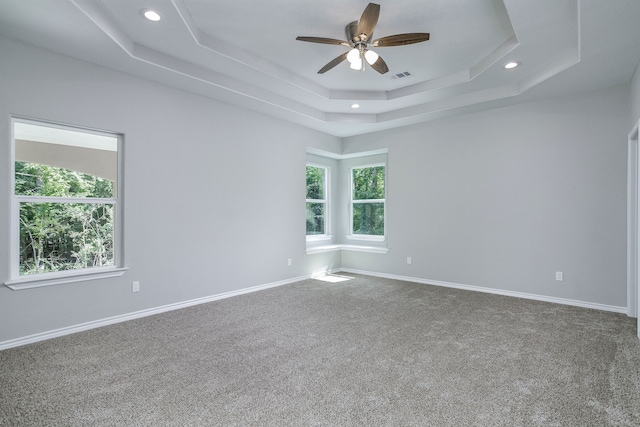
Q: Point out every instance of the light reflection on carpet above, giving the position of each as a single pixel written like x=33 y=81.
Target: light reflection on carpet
x=333 y=278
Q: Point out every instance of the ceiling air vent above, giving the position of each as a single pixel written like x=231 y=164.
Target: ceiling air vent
x=401 y=75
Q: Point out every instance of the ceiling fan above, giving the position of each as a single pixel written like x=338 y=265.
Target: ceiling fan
x=359 y=38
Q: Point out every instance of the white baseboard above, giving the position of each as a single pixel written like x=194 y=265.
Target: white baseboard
x=138 y=314
x=184 y=304
x=555 y=300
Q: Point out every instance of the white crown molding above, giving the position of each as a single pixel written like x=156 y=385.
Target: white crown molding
x=243 y=57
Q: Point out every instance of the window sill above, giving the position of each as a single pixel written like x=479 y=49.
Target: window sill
x=29 y=282
x=365 y=237
x=318 y=237
x=353 y=248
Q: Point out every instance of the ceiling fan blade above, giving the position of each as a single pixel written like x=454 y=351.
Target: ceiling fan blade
x=400 y=39
x=322 y=40
x=368 y=20
x=380 y=66
x=333 y=63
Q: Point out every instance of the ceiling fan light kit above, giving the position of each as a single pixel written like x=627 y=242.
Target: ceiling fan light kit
x=357 y=64
x=371 y=56
x=359 y=37
x=353 y=55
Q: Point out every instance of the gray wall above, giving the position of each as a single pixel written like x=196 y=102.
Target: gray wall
x=212 y=193
x=505 y=198
x=500 y=199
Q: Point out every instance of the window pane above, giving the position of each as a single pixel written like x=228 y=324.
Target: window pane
x=368 y=218
x=33 y=179
x=65 y=236
x=315 y=218
x=368 y=183
x=315 y=183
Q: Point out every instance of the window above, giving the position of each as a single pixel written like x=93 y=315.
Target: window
x=368 y=202
x=317 y=206
x=66 y=212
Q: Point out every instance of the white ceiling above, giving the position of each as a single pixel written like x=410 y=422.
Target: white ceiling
x=245 y=53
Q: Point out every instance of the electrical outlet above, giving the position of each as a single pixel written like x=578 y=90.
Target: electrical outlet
x=559 y=276
x=135 y=286
x=408 y=260
x=289 y=261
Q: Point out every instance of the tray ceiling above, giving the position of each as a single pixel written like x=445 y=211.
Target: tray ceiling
x=245 y=53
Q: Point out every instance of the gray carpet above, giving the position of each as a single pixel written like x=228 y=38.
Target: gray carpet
x=365 y=352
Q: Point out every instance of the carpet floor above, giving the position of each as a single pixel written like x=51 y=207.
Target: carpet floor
x=362 y=352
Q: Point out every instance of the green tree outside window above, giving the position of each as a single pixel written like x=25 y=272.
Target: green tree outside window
x=368 y=200
x=316 y=200
x=58 y=236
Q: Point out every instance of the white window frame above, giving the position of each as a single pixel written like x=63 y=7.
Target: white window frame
x=367 y=237
x=327 y=205
x=17 y=282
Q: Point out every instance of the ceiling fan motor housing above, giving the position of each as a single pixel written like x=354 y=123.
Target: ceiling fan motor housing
x=351 y=31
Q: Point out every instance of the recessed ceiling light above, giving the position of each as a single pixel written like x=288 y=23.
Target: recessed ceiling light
x=510 y=65
x=355 y=105
x=151 y=15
